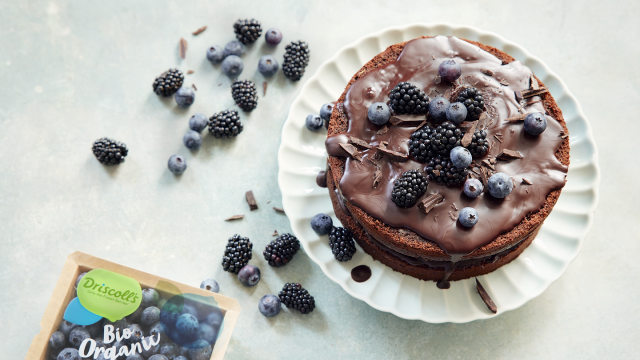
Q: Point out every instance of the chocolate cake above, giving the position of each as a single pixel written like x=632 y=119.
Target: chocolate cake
x=426 y=240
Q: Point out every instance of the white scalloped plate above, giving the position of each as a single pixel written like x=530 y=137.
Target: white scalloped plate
x=302 y=155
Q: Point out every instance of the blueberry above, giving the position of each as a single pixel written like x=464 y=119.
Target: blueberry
x=187 y=325
x=273 y=36
x=449 y=70
x=379 y=113
x=234 y=47
x=460 y=157
x=200 y=354
x=438 y=108
x=325 y=111
x=169 y=313
x=66 y=327
x=535 y=123
x=158 y=357
x=314 y=122
x=149 y=353
x=177 y=164
x=150 y=315
x=136 y=334
x=249 y=275
x=134 y=356
x=468 y=217
x=215 y=54
x=322 y=224
x=156 y=329
x=210 y=285
x=198 y=122
x=456 y=113
x=69 y=354
x=268 y=65
x=215 y=318
x=207 y=333
x=77 y=336
x=473 y=188
x=180 y=357
x=500 y=185
x=149 y=298
x=78 y=280
x=57 y=340
x=232 y=66
x=192 y=140
x=135 y=316
x=170 y=350
x=185 y=97
x=95 y=330
x=269 y=305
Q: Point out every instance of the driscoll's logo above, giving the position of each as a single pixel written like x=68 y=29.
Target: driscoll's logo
x=97 y=289
x=108 y=294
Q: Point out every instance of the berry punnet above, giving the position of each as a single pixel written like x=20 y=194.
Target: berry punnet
x=215 y=54
x=249 y=275
x=273 y=36
x=342 y=245
x=234 y=47
x=225 y=124
x=322 y=224
x=268 y=65
x=449 y=70
x=500 y=185
x=379 y=113
x=473 y=188
x=109 y=151
x=438 y=109
x=185 y=97
x=281 y=250
x=314 y=122
x=473 y=100
x=460 y=157
x=269 y=305
x=427 y=142
x=168 y=82
x=468 y=217
x=237 y=254
x=296 y=297
x=456 y=113
x=296 y=59
x=232 y=66
x=247 y=31
x=479 y=144
x=535 y=123
x=245 y=94
x=441 y=170
x=406 y=98
x=198 y=122
x=408 y=188
x=210 y=285
x=192 y=140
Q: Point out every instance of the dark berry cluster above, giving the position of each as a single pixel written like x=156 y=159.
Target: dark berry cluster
x=473 y=100
x=281 y=250
x=237 y=254
x=441 y=170
x=247 y=31
x=479 y=144
x=427 y=142
x=168 y=82
x=297 y=297
x=408 y=188
x=109 y=151
x=245 y=94
x=406 y=98
x=225 y=124
x=342 y=245
x=296 y=59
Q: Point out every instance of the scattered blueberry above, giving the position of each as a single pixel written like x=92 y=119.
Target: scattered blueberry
x=198 y=122
x=322 y=224
x=192 y=140
x=468 y=217
x=150 y=315
x=234 y=47
x=273 y=36
x=232 y=66
x=314 y=122
x=456 y=113
x=77 y=336
x=69 y=354
x=210 y=285
x=268 y=65
x=215 y=54
x=57 y=340
x=499 y=185
x=379 y=113
x=325 y=111
x=460 y=157
x=269 y=305
x=249 y=275
x=149 y=297
x=535 y=123
x=438 y=108
x=187 y=325
x=177 y=164
x=185 y=97
x=449 y=70
x=473 y=188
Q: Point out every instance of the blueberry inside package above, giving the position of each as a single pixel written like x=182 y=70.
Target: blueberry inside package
x=102 y=310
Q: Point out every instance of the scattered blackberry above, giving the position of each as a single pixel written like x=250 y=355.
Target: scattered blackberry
x=473 y=100
x=479 y=144
x=245 y=94
x=168 y=82
x=406 y=98
x=237 y=254
x=441 y=170
x=247 y=31
x=281 y=250
x=109 y=151
x=342 y=244
x=296 y=59
x=408 y=188
x=225 y=124
x=427 y=142
x=297 y=297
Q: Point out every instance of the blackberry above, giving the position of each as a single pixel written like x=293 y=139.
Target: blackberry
x=406 y=98
x=296 y=59
x=408 y=188
x=473 y=100
x=281 y=250
x=109 y=151
x=168 y=82
x=342 y=244
x=297 y=297
x=427 y=142
x=237 y=254
x=247 y=31
x=479 y=144
x=245 y=94
x=225 y=124
x=441 y=170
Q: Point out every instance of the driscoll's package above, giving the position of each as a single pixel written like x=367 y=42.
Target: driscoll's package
x=102 y=310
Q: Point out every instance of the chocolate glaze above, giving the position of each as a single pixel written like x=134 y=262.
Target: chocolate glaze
x=361 y=273
x=416 y=65
x=321 y=179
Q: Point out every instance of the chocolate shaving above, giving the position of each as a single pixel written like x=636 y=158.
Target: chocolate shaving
x=277 y=209
x=453 y=205
x=435 y=218
x=497 y=138
x=507 y=155
x=516 y=118
x=433 y=57
x=190 y=72
x=527 y=190
x=275 y=233
x=526 y=182
x=383 y=130
x=264 y=88
x=492 y=161
x=504 y=82
x=251 y=200
x=437 y=80
x=488 y=164
x=486 y=298
x=482 y=120
x=407 y=120
x=518 y=96
x=372 y=160
x=234 y=217
x=351 y=150
x=468 y=135
x=428 y=203
x=199 y=31
x=422 y=124
x=359 y=142
x=392 y=155
x=183 y=48
x=451 y=216
x=486 y=72
x=483 y=177
x=377 y=176
x=534 y=83
x=531 y=93
x=194 y=87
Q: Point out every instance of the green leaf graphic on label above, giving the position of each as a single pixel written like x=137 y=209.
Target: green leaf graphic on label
x=108 y=294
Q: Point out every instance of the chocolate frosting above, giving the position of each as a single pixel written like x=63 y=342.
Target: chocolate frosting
x=417 y=65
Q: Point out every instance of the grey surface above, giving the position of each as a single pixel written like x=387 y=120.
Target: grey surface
x=72 y=72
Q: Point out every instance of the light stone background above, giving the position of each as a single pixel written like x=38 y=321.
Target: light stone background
x=74 y=71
